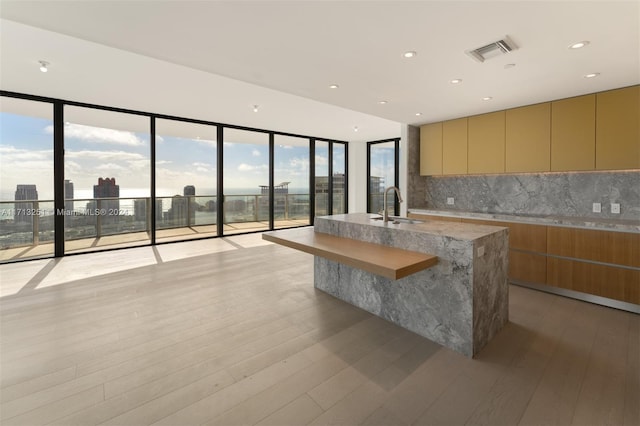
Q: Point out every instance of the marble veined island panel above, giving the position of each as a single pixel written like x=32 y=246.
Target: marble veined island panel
x=461 y=303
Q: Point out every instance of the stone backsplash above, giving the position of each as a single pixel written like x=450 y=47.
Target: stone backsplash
x=558 y=194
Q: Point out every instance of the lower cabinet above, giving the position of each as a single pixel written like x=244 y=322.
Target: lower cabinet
x=597 y=262
x=527 y=267
x=601 y=280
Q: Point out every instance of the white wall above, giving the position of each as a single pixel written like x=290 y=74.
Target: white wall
x=357 y=177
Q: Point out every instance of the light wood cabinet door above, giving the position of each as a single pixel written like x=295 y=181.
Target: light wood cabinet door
x=528 y=139
x=591 y=278
x=431 y=149
x=486 y=143
x=618 y=129
x=527 y=267
x=619 y=248
x=573 y=134
x=454 y=147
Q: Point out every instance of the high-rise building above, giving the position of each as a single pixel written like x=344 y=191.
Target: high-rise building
x=189 y=190
x=179 y=211
x=140 y=212
x=107 y=188
x=24 y=212
x=68 y=196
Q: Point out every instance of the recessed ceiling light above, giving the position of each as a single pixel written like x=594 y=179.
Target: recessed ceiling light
x=333 y=86
x=418 y=114
x=579 y=44
x=456 y=81
x=410 y=54
x=255 y=108
x=382 y=102
x=43 y=66
x=592 y=75
x=487 y=98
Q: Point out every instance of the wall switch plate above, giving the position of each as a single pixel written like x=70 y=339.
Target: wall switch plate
x=597 y=207
x=615 y=208
x=450 y=201
x=480 y=251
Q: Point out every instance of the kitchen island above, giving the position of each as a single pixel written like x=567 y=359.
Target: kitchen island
x=460 y=302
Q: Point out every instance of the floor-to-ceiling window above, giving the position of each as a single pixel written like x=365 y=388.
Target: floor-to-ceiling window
x=129 y=178
x=291 y=200
x=186 y=203
x=339 y=180
x=26 y=179
x=322 y=185
x=382 y=172
x=107 y=169
x=246 y=181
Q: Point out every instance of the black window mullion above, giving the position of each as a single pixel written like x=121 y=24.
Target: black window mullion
x=152 y=208
x=271 y=181
x=396 y=177
x=346 y=178
x=312 y=180
x=58 y=178
x=220 y=181
x=330 y=180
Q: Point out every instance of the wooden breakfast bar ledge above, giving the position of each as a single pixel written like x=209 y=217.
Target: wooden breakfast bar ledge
x=389 y=262
x=443 y=280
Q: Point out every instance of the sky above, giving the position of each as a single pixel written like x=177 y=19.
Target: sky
x=26 y=157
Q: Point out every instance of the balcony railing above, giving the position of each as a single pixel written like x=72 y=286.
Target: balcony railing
x=25 y=223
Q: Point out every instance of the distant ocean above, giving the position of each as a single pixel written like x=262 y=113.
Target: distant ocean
x=127 y=196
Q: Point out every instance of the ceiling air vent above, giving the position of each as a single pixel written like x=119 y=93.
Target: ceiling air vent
x=492 y=50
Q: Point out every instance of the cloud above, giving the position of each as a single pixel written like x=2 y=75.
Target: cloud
x=255 y=153
x=109 y=167
x=105 y=155
x=321 y=160
x=99 y=135
x=10 y=153
x=204 y=165
x=207 y=142
x=247 y=167
x=299 y=163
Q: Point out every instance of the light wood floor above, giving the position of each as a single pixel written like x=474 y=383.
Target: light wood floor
x=235 y=333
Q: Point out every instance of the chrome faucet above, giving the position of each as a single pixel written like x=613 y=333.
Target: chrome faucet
x=385 y=214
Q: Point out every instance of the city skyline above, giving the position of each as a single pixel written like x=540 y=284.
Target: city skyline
x=26 y=149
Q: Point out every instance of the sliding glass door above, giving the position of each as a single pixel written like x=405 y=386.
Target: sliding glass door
x=107 y=179
x=186 y=162
x=246 y=181
x=26 y=180
x=382 y=172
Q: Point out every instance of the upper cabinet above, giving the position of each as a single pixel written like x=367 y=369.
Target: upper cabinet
x=486 y=143
x=528 y=139
x=431 y=149
x=618 y=129
x=573 y=134
x=454 y=147
x=594 y=132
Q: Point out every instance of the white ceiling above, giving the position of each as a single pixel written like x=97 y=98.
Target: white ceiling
x=291 y=51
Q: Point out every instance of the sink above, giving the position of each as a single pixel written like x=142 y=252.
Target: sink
x=398 y=219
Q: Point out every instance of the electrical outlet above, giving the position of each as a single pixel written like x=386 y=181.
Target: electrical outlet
x=615 y=208
x=450 y=201
x=597 y=207
x=480 y=251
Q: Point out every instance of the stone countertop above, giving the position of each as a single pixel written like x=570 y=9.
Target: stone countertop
x=619 y=225
x=452 y=230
